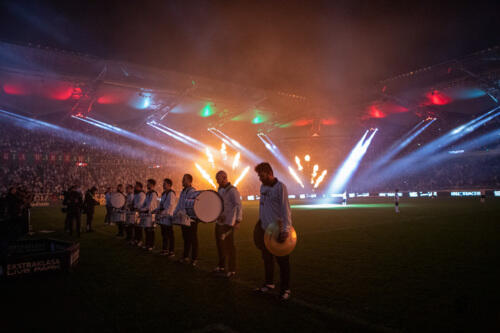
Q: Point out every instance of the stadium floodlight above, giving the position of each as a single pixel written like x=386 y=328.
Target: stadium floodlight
x=351 y=163
x=130 y=135
x=71 y=135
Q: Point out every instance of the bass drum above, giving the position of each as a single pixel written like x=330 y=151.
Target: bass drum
x=117 y=200
x=206 y=206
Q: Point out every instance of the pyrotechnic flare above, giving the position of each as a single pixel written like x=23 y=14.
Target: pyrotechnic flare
x=243 y=174
x=223 y=151
x=236 y=160
x=314 y=173
x=320 y=179
x=299 y=166
x=295 y=176
x=210 y=157
x=205 y=175
x=307 y=158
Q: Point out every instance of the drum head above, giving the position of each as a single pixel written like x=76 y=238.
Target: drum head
x=117 y=200
x=208 y=206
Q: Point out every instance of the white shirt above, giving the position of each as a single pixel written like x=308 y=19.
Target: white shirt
x=232 y=205
x=151 y=202
x=181 y=204
x=167 y=203
x=139 y=200
x=274 y=206
x=129 y=202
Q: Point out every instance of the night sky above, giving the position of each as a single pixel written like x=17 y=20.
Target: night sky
x=303 y=46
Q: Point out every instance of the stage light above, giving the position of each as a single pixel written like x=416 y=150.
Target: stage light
x=428 y=154
x=243 y=174
x=351 y=163
x=176 y=134
x=71 y=135
x=130 y=135
x=207 y=111
x=146 y=103
x=205 y=175
x=307 y=158
x=164 y=131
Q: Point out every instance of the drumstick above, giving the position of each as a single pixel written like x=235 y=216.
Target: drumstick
x=227 y=233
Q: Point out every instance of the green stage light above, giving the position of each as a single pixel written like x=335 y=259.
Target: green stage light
x=207 y=111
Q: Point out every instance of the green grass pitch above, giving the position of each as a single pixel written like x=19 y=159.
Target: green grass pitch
x=433 y=267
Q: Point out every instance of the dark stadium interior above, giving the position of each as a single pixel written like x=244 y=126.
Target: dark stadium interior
x=381 y=119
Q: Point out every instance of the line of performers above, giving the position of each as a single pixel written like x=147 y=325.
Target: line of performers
x=141 y=210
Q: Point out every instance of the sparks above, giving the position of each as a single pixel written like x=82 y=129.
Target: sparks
x=320 y=179
x=223 y=151
x=299 y=166
x=210 y=157
x=314 y=173
x=243 y=174
x=205 y=175
x=236 y=160
x=295 y=176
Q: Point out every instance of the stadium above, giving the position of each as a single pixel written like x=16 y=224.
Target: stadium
x=387 y=182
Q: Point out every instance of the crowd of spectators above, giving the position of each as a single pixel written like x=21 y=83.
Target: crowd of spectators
x=101 y=168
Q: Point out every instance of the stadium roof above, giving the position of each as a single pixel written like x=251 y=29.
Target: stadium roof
x=48 y=83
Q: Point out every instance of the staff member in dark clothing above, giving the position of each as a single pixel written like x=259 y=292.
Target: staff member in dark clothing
x=74 y=202
x=89 y=204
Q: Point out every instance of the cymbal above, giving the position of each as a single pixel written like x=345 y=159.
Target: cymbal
x=271 y=240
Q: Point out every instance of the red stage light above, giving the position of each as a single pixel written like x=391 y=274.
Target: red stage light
x=375 y=112
x=302 y=122
x=329 y=121
x=107 y=99
x=15 y=88
x=436 y=97
x=60 y=92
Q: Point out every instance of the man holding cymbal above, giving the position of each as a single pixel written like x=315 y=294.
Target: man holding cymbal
x=274 y=208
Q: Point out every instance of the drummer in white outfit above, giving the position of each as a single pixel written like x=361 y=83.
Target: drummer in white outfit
x=129 y=206
x=165 y=212
x=190 y=231
x=226 y=225
x=139 y=197
x=148 y=207
x=119 y=219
